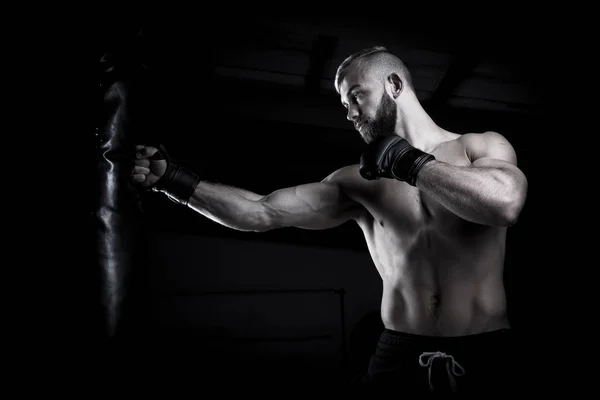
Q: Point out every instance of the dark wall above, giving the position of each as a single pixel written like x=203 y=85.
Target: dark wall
x=258 y=299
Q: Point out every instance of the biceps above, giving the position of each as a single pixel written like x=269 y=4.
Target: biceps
x=494 y=163
x=491 y=149
x=311 y=206
x=495 y=152
x=494 y=155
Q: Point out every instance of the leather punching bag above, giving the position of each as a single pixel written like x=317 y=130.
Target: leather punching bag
x=119 y=241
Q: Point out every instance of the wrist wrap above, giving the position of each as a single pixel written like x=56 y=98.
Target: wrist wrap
x=407 y=166
x=178 y=182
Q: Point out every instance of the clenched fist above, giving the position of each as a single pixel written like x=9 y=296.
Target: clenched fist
x=153 y=169
x=149 y=166
x=392 y=157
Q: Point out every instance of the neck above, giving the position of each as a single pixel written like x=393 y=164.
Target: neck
x=418 y=128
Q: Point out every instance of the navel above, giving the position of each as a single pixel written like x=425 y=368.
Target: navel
x=381 y=223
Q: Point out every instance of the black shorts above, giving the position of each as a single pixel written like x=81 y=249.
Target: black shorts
x=405 y=364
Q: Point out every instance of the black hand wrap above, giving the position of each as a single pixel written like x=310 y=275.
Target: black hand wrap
x=178 y=182
x=393 y=157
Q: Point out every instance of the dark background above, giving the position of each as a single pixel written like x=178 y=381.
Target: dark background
x=252 y=104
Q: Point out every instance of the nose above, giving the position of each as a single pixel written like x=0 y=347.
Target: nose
x=352 y=113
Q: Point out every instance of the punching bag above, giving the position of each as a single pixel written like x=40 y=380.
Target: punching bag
x=120 y=246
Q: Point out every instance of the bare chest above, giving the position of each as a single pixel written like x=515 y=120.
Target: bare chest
x=399 y=207
x=407 y=208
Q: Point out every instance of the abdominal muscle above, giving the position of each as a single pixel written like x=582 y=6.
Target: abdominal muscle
x=440 y=286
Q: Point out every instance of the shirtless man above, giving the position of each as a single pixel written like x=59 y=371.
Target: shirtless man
x=434 y=207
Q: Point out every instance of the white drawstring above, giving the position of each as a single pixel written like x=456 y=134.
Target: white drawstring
x=452 y=370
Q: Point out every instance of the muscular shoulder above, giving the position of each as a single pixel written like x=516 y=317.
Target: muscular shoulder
x=344 y=176
x=350 y=183
x=488 y=145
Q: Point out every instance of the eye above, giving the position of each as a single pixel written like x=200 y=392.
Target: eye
x=354 y=97
x=357 y=96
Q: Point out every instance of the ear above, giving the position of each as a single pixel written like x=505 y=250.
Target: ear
x=396 y=84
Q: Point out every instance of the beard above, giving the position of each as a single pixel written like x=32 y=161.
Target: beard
x=384 y=122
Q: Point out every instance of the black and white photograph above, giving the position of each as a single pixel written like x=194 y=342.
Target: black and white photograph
x=314 y=207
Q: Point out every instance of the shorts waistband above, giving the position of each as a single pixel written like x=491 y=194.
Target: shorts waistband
x=391 y=337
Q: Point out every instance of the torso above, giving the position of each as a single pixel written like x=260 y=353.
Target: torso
x=442 y=275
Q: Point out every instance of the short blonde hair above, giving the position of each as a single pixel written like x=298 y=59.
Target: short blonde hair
x=379 y=59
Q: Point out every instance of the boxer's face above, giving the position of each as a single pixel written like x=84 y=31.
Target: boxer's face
x=370 y=108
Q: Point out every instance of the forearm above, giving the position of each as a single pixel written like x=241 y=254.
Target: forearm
x=231 y=207
x=484 y=195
